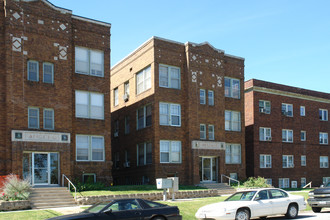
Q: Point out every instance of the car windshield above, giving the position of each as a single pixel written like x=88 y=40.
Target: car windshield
x=96 y=208
x=242 y=196
x=328 y=184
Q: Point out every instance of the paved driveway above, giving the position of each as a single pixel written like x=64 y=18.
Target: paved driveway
x=324 y=215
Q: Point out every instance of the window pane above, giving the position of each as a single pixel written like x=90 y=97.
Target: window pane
x=148 y=117
x=227 y=87
x=33 y=117
x=82 y=147
x=48 y=119
x=48 y=72
x=149 y=153
x=175 y=151
x=211 y=98
x=139 y=82
x=202 y=96
x=236 y=88
x=82 y=60
x=140 y=114
x=33 y=70
x=227 y=120
x=175 y=78
x=97 y=109
x=147 y=78
x=96 y=66
x=164 y=114
x=82 y=99
x=163 y=76
x=97 y=148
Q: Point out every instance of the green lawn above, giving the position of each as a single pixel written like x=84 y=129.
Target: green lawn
x=29 y=215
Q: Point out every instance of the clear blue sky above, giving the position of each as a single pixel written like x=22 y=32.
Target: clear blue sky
x=282 y=41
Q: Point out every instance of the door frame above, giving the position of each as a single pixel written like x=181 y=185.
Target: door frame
x=211 y=169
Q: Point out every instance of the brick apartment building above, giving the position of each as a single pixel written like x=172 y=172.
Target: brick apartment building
x=177 y=110
x=55 y=102
x=287 y=134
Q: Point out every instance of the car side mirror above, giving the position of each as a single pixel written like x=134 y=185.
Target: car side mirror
x=257 y=199
x=108 y=211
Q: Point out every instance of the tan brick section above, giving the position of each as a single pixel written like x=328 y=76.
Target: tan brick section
x=40 y=31
x=201 y=67
x=277 y=94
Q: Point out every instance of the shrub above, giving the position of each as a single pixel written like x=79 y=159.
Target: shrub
x=254 y=182
x=15 y=188
x=89 y=185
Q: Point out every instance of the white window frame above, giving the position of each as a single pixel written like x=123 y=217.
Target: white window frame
x=286 y=111
x=89 y=106
x=323 y=138
x=286 y=137
x=202 y=131
x=323 y=114
x=202 y=96
x=263 y=136
x=211 y=132
x=265 y=161
x=303 y=160
x=28 y=70
x=169 y=76
x=53 y=117
x=90 y=148
x=210 y=96
x=52 y=73
x=170 y=114
x=230 y=89
x=263 y=108
x=89 y=62
x=144 y=118
x=229 y=123
x=229 y=157
x=303 y=138
x=115 y=96
x=324 y=162
x=38 y=123
x=170 y=151
x=287 y=164
x=146 y=145
x=302 y=111
x=145 y=76
x=283 y=183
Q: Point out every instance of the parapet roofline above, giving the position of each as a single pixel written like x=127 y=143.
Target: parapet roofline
x=175 y=42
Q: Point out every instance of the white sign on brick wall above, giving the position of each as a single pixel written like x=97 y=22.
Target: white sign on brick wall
x=40 y=136
x=208 y=145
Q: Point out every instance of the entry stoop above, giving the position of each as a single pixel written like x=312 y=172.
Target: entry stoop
x=51 y=197
x=223 y=188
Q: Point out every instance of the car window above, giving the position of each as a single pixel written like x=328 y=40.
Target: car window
x=242 y=196
x=154 y=204
x=262 y=195
x=123 y=205
x=275 y=194
x=96 y=208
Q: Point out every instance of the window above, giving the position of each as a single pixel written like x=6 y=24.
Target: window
x=233 y=153
x=323 y=138
x=303 y=182
x=269 y=182
x=287 y=135
x=232 y=121
x=89 y=178
x=33 y=117
x=232 y=88
x=287 y=161
x=264 y=106
x=326 y=180
x=89 y=148
x=143 y=80
x=169 y=76
x=323 y=114
x=211 y=132
x=127 y=127
x=303 y=135
x=89 y=105
x=202 y=98
x=89 y=62
x=115 y=96
x=265 y=134
x=302 y=111
x=211 y=97
x=303 y=160
x=170 y=114
x=324 y=162
x=49 y=119
x=202 y=129
x=48 y=69
x=127 y=159
x=143 y=117
x=170 y=151
x=117 y=160
x=144 y=154
x=287 y=109
x=33 y=70
x=116 y=128
x=265 y=161
x=284 y=183
x=126 y=91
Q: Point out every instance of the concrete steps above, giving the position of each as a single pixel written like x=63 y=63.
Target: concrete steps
x=223 y=188
x=51 y=197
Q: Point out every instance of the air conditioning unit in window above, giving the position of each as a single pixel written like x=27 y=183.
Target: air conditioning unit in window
x=262 y=110
x=291 y=165
x=126 y=97
x=127 y=164
x=268 y=138
x=115 y=134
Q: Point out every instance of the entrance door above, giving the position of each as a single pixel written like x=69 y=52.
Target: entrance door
x=208 y=169
x=40 y=168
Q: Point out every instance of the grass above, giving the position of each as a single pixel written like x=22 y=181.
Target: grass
x=29 y=215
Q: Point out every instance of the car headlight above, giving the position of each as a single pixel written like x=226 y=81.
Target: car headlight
x=311 y=194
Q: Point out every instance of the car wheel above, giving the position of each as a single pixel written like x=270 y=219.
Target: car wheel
x=292 y=211
x=316 y=209
x=242 y=214
x=158 y=218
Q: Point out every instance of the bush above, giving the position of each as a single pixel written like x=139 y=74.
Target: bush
x=88 y=186
x=15 y=189
x=254 y=182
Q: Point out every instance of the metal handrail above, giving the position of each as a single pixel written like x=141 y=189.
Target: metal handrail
x=229 y=178
x=309 y=184
x=69 y=183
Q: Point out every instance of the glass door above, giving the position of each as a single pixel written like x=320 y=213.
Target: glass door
x=43 y=168
x=40 y=168
x=208 y=169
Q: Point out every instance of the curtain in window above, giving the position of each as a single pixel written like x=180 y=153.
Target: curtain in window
x=164 y=151
x=97 y=108
x=82 y=147
x=97 y=148
x=175 y=151
x=175 y=114
x=163 y=114
x=82 y=60
x=175 y=78
x=82 y=100
x=96 y=66
x=163 y=76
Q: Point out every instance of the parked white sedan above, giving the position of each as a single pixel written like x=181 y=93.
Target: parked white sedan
x=248 y=204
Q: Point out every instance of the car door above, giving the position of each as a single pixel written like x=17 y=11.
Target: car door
x=123 y=209
x=280 y=201
x=262 y=205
